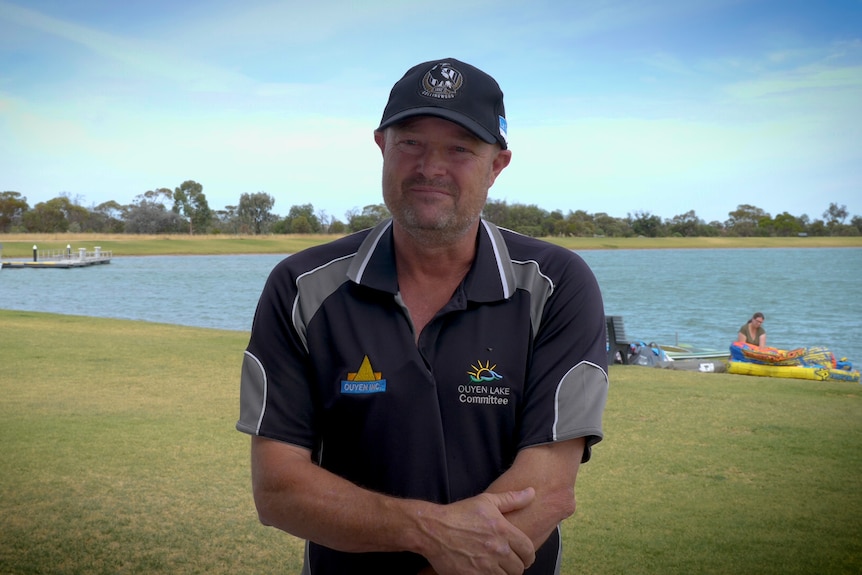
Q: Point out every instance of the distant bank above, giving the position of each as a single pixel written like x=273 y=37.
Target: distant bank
x=21 y=245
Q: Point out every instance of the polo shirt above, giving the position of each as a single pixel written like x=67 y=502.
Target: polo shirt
x=517 y=358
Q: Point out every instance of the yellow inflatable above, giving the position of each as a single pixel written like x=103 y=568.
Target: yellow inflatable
x=819 y=373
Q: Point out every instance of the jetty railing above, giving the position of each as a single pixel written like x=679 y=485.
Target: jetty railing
x=61 y=259
x=69 y=254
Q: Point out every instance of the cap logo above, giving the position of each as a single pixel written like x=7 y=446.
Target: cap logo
x=442 y=81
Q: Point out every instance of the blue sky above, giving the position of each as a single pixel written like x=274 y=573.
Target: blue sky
x=616 y=106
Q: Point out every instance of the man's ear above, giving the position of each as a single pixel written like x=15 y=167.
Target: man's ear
x=380 y=139
x=500 y=162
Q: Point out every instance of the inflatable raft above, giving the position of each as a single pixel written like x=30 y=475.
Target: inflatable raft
x=767 y=355
x=815 y=363
x=818 y=373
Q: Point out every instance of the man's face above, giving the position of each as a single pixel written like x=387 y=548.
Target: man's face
x=436 y=176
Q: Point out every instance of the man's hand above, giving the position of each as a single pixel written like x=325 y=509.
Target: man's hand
x=473 y=536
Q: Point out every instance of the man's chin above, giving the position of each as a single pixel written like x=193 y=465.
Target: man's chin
x=427 y=219
x=440 y=230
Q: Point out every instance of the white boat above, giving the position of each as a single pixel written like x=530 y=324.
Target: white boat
x=686 y=351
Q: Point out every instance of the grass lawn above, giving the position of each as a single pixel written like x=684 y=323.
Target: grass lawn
x=119 y=456
x=21 y=245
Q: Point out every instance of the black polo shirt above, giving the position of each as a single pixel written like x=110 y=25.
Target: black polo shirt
x=517 y=358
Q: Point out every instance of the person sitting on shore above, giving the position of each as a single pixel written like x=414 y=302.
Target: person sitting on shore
x=753 y=332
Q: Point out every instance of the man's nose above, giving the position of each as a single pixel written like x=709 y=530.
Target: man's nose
x=432 y=162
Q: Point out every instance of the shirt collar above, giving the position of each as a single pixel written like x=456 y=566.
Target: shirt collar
x=491 y=277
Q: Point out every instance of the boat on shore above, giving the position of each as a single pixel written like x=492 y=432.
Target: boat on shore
x=680 y=356
x=687 y=351
x=688 y=357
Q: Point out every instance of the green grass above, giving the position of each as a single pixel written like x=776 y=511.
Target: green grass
x=119 y=456
x=21 y=245
x=119 y=453
x=720 y=473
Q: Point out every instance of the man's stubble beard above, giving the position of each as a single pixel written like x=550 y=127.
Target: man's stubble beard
x=445 y=229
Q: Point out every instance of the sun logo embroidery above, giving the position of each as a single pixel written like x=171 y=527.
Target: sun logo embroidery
x=482 y=373
x=364 y=381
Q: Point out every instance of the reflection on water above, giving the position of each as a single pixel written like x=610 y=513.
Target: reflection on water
x=809 y=296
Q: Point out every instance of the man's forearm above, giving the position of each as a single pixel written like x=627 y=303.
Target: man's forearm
x=470 y=536
x=297 y=496
x=551 y=470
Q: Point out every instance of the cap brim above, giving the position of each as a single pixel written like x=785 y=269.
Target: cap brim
x=450 y=115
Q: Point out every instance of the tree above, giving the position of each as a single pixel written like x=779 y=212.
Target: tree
x=835 y=214
x=765 y=226
x=686 y=225
x=606 y=225
x=527 y=220
x=148 y=215
x=163 y=196
x=580 y=223
x=255 y=212
x=302 y=220
x=557 y=223
x=368 y=218
x=47 y=217
x=80 y=218
x=12 y=208
x=336 y=226
x=108 y=217
x=495 y=211
x=61 y=214
x=300 y=225
x=743 y=221
x=834 y=217
x=713 y=228
x=227 y=220
x=646 y=224
x=785 y=224
x=326 y=222
x=817 y=228
x=189 y=199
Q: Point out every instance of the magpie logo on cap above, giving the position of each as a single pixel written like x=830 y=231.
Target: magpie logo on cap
x=452 y=90
x=442 y=81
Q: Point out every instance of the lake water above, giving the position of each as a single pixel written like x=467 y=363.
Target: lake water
x=810 y=296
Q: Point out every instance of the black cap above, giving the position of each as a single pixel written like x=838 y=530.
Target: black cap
x=452 y=90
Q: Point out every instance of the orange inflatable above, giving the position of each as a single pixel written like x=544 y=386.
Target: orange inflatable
x=767 y=355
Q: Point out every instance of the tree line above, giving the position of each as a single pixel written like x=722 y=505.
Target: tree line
x=185 y=210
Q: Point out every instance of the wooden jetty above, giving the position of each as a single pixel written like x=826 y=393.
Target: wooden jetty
x=58 y=259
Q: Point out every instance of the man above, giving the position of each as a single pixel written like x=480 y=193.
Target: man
x=420 y=395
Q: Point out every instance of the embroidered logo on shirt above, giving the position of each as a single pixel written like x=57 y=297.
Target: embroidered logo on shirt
x=366 y=380
x=485 y=372
x=479 y=392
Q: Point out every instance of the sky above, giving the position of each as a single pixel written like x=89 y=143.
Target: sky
x=613 y=106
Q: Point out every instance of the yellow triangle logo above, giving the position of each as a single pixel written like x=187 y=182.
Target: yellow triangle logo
x=365 y=372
